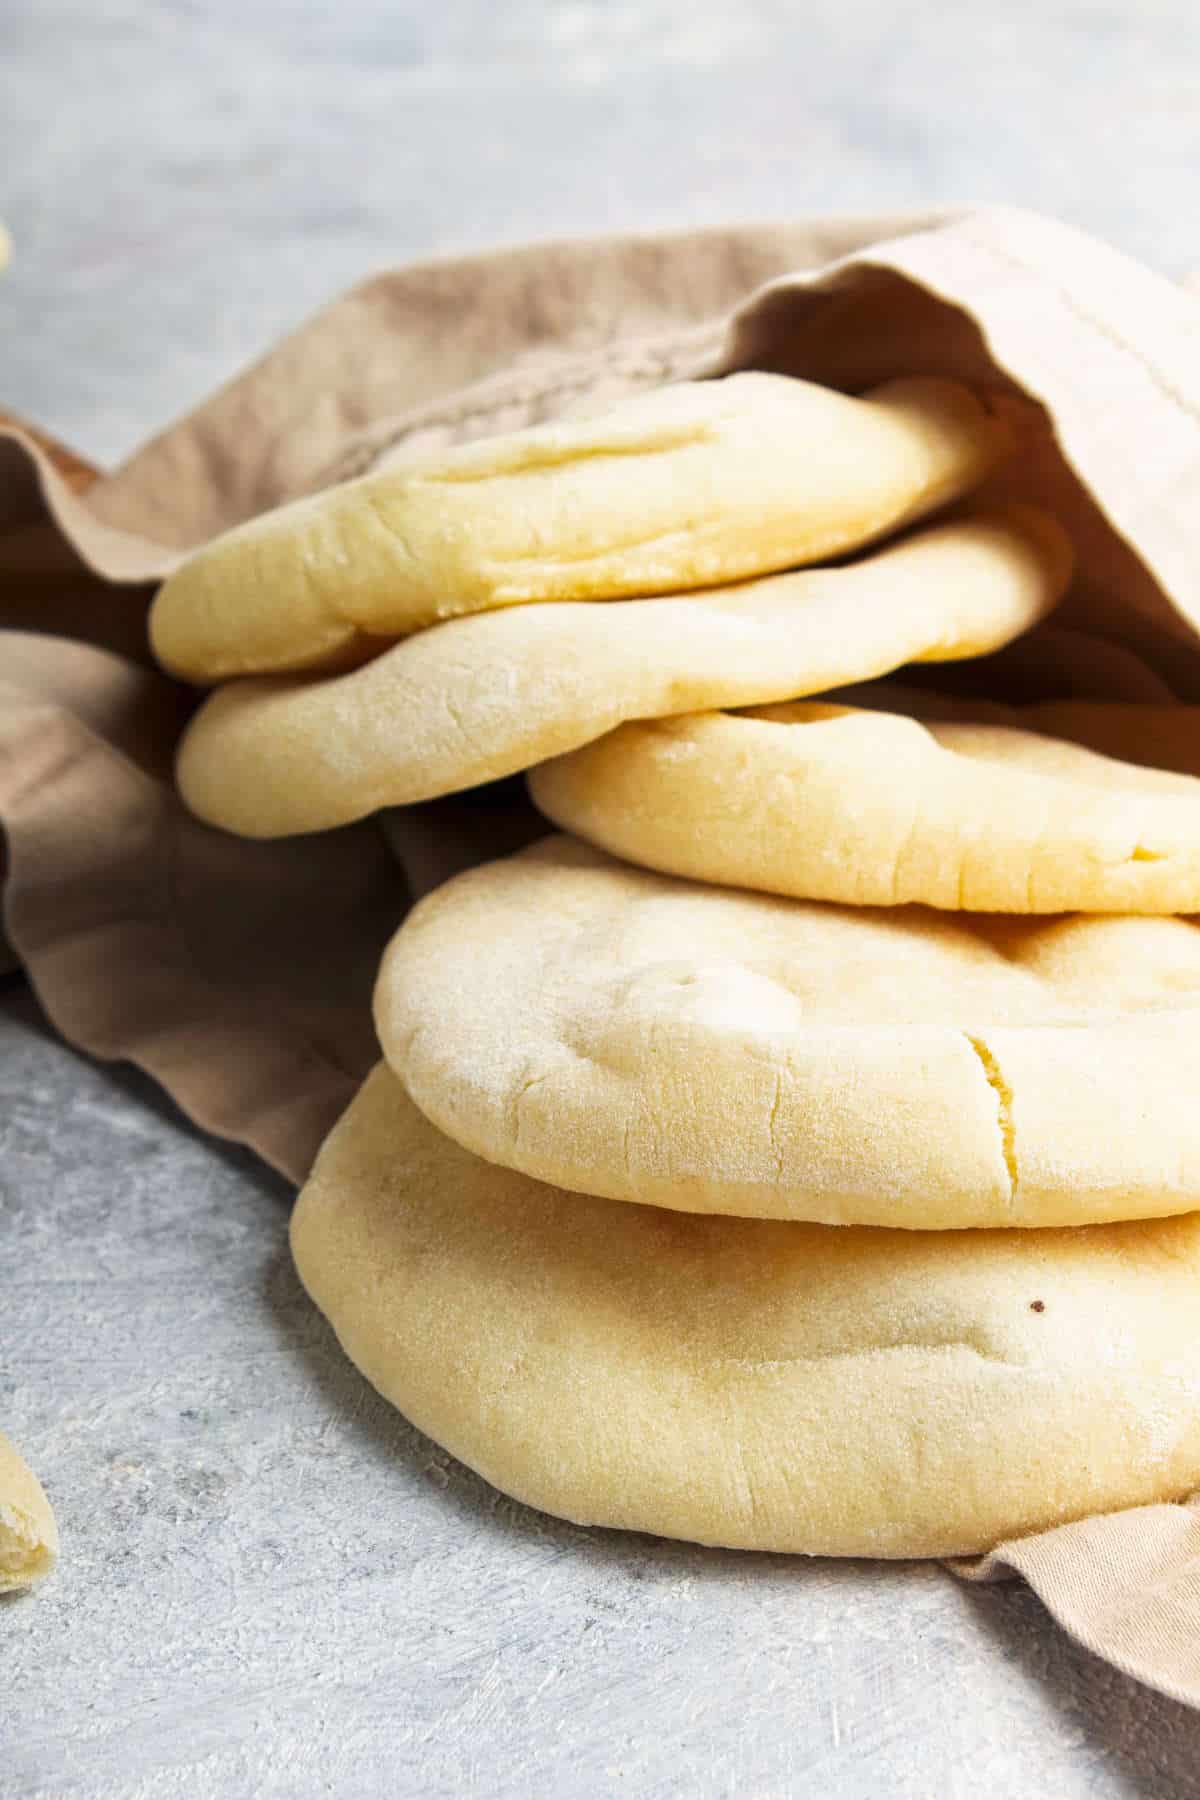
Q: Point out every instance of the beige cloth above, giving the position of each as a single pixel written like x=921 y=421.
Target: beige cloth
x=238 y=973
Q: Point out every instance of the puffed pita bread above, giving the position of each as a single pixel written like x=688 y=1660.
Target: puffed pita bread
x=476 y=699
x=28 y=1533
x=622 y=1033
x=685 y=487
x=987 y=811
x=744 y=1382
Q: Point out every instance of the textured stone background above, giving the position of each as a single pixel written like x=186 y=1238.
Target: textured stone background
x=271 y=1585
x=186 y=178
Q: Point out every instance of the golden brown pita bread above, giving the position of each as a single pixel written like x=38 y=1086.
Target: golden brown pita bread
x=745 y=1382
x=966 y=808
x=689 y=486
x=625 y=1034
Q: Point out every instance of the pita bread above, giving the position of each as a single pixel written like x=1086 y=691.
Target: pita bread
x=761 y=1385
x=624 y=1034
x=986 y=813
x=480 y=698
x=689 y=486
x=28 y=1533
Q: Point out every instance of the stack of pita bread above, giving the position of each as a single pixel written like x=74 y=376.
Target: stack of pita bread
x=800 y=1152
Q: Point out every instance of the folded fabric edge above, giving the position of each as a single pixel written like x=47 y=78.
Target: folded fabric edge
x=210 y=1047
x=118 y=556
x=1124 y=1585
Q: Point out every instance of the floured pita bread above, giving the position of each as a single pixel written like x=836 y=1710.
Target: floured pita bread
x=686 y=487
x=625 y=1034
x=988 y=813
x=28 y=1533
x=762 y=1385
x=479 y=698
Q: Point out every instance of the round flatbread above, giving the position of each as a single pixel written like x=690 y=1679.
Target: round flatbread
x=742 y=1382
x=626 y=1034
x=480 y=698
x=28 y=1533
x=991 y=810
x=685 y=487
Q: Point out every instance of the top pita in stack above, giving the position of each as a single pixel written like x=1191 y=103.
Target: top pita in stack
x=687 y=487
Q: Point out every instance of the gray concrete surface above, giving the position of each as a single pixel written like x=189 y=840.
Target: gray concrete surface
x=271 y=1585
x=186 y=179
